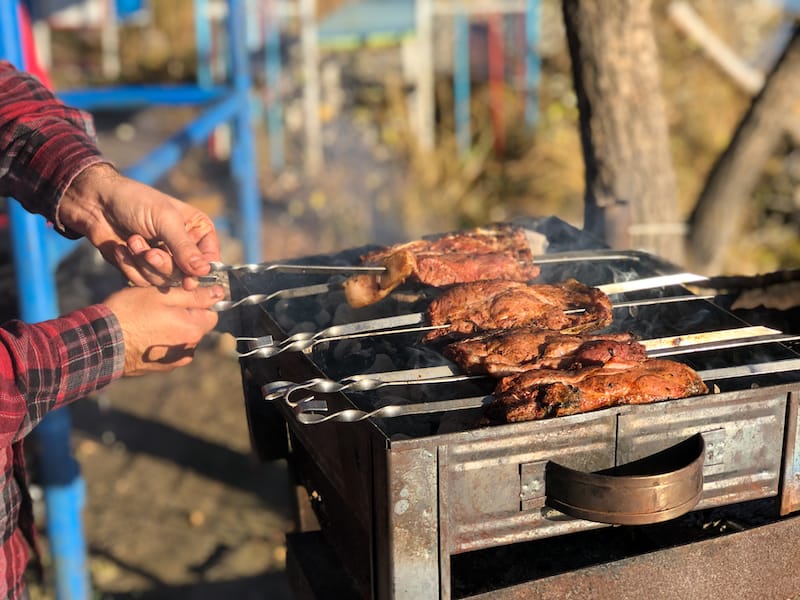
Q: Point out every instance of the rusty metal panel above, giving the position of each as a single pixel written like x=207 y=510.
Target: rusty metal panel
x=743 y=433
x=790 y=485
x=495 y=482
x=414 y=532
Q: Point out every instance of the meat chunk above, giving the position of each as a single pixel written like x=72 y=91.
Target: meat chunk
x=499 y=253
x=481 y=240
x=538 y=394
x=441 y=270
x=570 y=307
x=368 y=288
x=501 y=353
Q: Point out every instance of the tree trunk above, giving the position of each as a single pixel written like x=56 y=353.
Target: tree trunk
x=631 y=194
x=722 y=204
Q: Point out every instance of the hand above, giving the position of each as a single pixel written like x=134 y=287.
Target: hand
x=162 y=326
x=153 y=238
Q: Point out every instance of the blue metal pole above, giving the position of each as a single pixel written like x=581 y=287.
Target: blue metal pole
x=461 y=84
x=160 y=160
x=532 y=61
x=64 y=489
x=272 y=67
x=133 y=96
x=202 y=30
x=243 y=157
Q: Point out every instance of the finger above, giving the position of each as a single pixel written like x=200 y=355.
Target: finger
x=128 y=266
x=183 y=244
x=113 y=252
x=207 y=242
x=190 y=283
x=201 y=298
x=154 y=264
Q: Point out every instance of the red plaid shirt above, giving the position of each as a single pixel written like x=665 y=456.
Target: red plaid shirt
x=43 y=146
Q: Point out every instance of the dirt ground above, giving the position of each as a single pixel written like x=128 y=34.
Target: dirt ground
x=176 y=505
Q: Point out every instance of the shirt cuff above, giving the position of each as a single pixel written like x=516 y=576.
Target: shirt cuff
x=53 y=177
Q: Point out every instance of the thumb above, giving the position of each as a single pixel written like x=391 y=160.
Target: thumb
x=202 y=297
x=185 y=253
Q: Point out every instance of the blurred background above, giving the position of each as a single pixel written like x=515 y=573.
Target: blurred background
x=371 y=122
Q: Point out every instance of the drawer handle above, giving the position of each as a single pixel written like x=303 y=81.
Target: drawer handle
x=653 y=489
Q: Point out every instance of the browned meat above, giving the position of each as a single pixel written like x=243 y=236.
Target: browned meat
x=482 y=240
x=440 y=270
x=539 y=394
x=501 y=353
x=487 y=305
x=368 y=288
x=500 y=253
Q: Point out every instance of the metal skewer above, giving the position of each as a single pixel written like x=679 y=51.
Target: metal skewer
x=306 y=410
x=410 y=323
x=365 y=383
x=544 y=259
x=656 y=348
x=299 y=292
x=219 y=267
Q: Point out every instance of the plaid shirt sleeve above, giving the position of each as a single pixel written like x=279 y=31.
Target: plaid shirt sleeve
x=49 y=364
x=44 y=144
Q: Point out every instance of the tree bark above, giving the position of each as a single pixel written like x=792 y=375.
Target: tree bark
x=723 y=203
x=631 y=193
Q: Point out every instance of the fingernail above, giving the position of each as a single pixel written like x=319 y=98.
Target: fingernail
x=156 y=259
x=137 y=245
x=197 y=262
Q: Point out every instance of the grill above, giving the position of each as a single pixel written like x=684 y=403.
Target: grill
x=434 y=505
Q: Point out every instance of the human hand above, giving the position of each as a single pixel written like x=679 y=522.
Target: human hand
x=163 y=326
x=153 y=238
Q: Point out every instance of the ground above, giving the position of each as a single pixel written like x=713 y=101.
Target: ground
x=177 y=507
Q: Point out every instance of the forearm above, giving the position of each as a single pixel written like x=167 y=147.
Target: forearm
x=47 y=365
x=44 y=145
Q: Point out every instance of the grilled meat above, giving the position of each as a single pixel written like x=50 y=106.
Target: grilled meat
x=538 y=394
x=482 y=240
x=487 y=305
x=502 y=353
x=368 y=288
x=501 y=253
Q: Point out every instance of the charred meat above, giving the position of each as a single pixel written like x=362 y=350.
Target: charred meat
x=502 y=353
x=500 y=253
x=539 y=394
x=489 y=305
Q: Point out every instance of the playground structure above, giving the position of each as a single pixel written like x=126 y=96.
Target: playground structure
x=510 y=42
x=408 y=25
